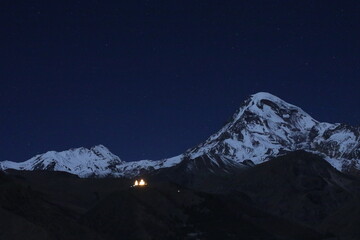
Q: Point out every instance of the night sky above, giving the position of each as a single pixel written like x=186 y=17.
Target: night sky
x=149 y=79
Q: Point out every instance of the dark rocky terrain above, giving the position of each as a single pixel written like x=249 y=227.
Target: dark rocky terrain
x=296 y=196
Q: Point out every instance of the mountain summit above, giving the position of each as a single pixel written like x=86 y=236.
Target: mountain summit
x=265 y=126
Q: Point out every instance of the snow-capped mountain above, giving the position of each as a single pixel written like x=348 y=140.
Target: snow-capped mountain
x=97 y=160
x=264 y=126
x=84 y=162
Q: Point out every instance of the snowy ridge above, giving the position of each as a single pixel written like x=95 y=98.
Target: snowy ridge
x=135 y=168
x=265 y=126
x=97 y=161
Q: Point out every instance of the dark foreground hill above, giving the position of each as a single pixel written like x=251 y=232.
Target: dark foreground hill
x=297 y=196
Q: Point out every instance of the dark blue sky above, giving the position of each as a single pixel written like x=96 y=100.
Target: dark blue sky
x=149 y=79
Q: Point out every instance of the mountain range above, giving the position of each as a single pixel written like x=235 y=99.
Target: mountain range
x=272 y=172
x=264 y=127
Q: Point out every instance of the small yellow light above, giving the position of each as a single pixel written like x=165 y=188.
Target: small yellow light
x=142 y=182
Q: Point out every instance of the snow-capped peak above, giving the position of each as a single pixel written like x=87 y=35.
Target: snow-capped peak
x=266 y=126
x=97 y=160
x=103 y=151
x=257 y=97
x=269 y=107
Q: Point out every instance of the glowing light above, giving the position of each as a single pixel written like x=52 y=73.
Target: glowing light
x=140 y=183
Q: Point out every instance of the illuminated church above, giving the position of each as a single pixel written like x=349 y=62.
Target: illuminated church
x=140 y=183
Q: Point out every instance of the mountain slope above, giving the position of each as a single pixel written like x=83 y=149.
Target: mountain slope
x=162 y=211
x=55 y=205
x=298 y=186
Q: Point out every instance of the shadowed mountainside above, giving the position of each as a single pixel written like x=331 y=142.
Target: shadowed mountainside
x=297 y=196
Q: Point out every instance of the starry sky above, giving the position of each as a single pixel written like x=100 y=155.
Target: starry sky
x=150 y=79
